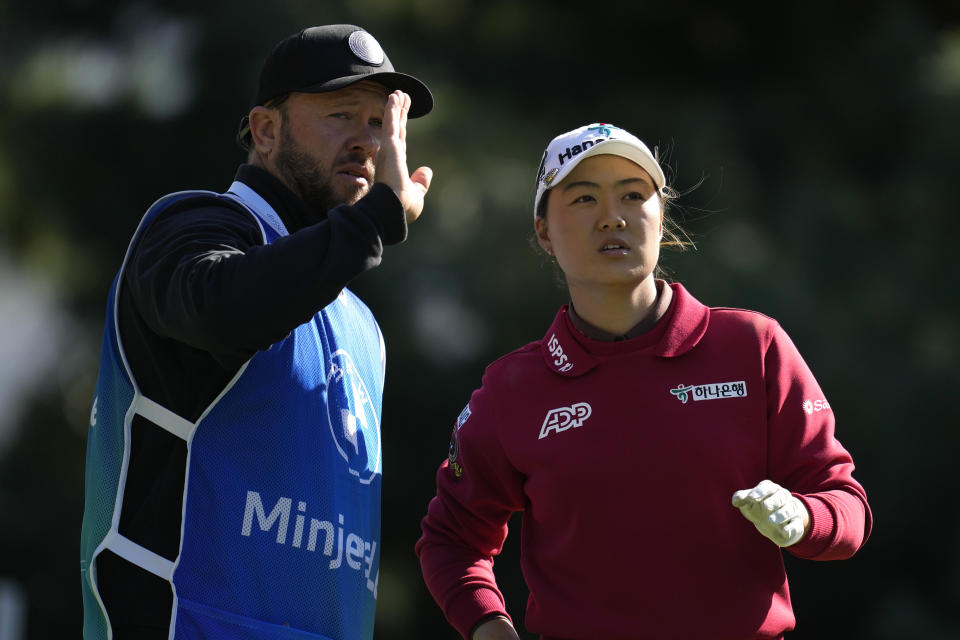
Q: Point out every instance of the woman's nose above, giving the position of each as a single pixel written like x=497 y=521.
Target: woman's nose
x=612 y=222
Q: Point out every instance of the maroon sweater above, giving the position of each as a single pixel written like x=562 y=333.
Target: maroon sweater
x=623 y=457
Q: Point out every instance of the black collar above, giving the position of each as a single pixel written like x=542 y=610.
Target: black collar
x=659 y=309
x=291 y=209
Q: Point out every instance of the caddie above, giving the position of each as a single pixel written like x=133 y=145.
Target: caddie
x=234 y=465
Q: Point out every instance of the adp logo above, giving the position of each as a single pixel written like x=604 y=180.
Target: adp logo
x=564 y=418
x=352 y=418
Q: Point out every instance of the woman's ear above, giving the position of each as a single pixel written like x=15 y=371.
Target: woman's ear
x=543 y=234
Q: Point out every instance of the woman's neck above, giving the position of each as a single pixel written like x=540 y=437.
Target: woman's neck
x=617 y=312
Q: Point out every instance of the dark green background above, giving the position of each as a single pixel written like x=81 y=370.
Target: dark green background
x=817 y=147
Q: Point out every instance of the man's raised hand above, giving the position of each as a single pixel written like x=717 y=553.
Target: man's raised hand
x=392 y=158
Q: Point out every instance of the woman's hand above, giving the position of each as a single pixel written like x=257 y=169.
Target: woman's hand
x=498 y=628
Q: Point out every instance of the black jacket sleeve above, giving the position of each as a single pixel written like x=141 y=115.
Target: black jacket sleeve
x=204 y=277
x=202 y=293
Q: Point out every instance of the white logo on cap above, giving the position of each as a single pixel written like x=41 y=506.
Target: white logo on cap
x=366 y=47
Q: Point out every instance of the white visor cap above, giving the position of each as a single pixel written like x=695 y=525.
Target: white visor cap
x=567 y=150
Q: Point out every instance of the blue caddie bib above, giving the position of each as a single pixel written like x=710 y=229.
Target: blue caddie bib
x=280 y=523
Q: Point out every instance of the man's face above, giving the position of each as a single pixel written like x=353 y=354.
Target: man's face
x=329 y=143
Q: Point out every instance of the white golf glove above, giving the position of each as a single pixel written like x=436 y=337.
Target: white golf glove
x=774 y=511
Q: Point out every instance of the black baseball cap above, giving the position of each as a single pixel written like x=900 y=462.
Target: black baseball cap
x=327 y=58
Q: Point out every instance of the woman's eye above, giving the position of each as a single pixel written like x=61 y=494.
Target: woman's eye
x=376 y=122
x=341 y=116
x=583 y=198
x=635 y=195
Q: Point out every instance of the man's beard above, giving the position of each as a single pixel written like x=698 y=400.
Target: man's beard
x=310 y=180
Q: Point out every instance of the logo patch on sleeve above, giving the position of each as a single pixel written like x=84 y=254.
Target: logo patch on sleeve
x=464 y=416
x=453 y=454
x=815 y=406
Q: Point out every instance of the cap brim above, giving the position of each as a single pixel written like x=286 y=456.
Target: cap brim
x=625 y=149
x=421 y=100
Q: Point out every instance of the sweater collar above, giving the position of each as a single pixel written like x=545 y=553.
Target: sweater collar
x=570 y=353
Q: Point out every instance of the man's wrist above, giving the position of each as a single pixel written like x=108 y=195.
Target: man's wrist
x=386 y=210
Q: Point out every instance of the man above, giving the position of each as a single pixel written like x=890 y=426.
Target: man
x=233 y=460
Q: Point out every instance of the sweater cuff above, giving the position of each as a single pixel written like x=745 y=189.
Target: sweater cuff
x=468 y=609
x=383 y=206
x=820 y=533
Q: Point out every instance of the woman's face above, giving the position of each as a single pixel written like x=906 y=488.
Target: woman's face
x=603 y=223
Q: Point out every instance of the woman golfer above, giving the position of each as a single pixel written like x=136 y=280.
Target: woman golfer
x=662 y=452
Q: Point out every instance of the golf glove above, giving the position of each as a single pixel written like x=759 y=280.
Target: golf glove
x=774 y=511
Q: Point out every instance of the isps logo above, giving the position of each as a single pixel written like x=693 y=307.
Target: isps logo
x=564 y=418
x=560 y=358
x=352 y=418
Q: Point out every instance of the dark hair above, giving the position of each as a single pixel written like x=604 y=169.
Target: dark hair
x=244 y=137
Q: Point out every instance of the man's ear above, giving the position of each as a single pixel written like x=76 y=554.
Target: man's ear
x=543 y=234
x=264 y=129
